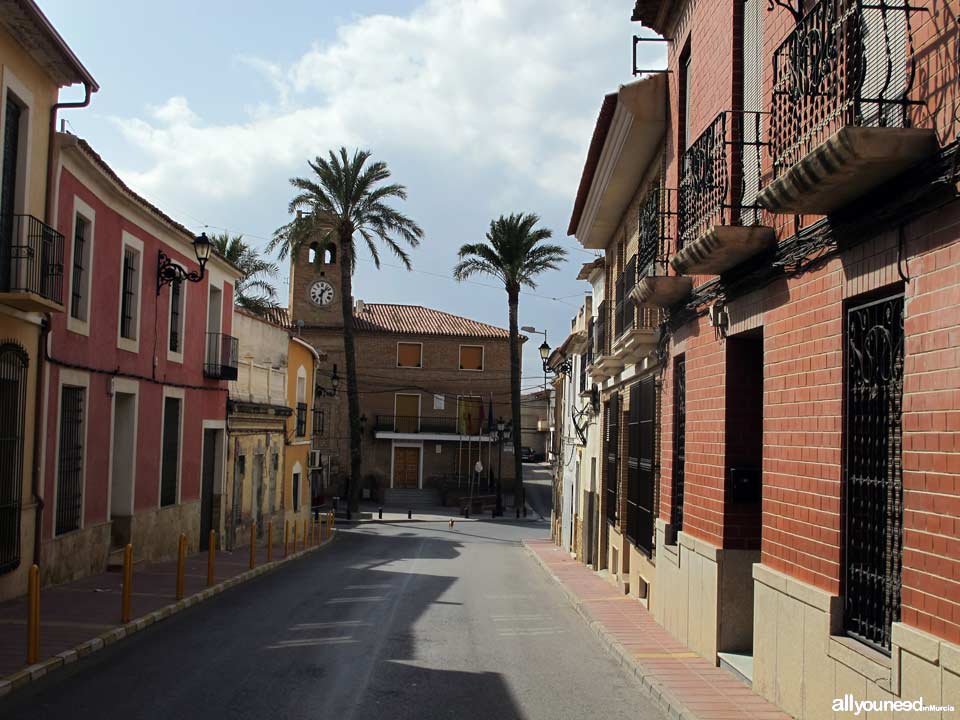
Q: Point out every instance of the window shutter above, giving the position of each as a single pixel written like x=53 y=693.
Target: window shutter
x=409 y=355
x=471 y=357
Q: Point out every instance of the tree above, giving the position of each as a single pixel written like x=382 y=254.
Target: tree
x=345 y=197
x=513 y=253
x=253 y=290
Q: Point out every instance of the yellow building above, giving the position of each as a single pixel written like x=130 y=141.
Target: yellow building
x=35 y=63
x=299 y=461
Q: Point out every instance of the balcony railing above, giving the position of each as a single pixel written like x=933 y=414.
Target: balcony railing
x=720 y=176
x=429 y=424
x=31 y=257
x=653 y=253
x=601 y=346
x=847 y=63
x=220 y=361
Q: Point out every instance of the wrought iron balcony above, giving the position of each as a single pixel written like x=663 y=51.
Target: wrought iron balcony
x=841 y=114
x=31 y=264
x=655 y=286
x=718 y=211
x=220 y=360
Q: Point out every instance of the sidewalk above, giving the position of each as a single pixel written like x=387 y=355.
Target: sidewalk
x=684 y=684
x=80 y=617
x=434 y=514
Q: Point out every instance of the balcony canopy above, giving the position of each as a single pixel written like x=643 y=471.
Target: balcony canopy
x=629 y=132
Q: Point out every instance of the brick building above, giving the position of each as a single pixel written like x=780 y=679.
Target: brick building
x=797 y=236
x=431 y=388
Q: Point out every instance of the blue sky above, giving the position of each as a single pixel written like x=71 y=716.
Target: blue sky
x=480 y=107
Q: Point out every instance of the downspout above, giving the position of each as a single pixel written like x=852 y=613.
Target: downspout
x=38 y=412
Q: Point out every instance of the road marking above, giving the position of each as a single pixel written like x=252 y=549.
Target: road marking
x=286 y=644
x=347 y=600
x=329 y=625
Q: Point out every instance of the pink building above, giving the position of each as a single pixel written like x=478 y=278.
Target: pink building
x=136 y=378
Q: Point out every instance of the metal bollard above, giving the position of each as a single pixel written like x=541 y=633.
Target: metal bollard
x=409 y=514
x=286 y=537
x=127 y=586
x=269 y=540
x=304 y=545
x=466 y=511
x=253 y=545
x=211 y=556
x=316 y=531
x=379 y=513
x=181 y=561
x=33 y=616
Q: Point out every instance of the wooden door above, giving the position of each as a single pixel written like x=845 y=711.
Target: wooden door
x=406 y=467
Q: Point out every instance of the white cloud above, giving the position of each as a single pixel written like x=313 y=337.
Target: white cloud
x=512 y=85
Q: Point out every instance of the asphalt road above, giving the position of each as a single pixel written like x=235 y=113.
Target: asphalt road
x=537 y=479
x=412 y=620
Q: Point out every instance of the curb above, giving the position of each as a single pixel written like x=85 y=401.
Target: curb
x=34 y=672
x=661 y=697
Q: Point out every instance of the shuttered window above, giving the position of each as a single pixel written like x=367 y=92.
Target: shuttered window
x=612 y=456
x=471 y=357
x=409 y=355
x=640 y=465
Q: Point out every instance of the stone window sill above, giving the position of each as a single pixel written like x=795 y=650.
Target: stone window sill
x=862 y=659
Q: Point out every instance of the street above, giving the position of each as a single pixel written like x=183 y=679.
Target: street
x=407 y=620
x=539 y=487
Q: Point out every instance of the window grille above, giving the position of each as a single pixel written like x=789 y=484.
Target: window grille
x=77 y=290
x=13 y=399
x=679 y=440
x=301 y=419
x=640 y=465
x=70 y=463
x=176 y=305
x=128 y=325
x=873 y=472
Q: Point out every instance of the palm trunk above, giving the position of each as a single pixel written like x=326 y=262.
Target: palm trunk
x=513 y=295
x=353 y=395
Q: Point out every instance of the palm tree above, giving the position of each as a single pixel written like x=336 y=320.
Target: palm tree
x=253 y=290
x=344 y=197
x=513 y=253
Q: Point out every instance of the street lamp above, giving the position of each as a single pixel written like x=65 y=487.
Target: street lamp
x=334 y=385
x=169 y=271
x=562 y=368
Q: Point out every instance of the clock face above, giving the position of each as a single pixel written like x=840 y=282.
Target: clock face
x=321 y=293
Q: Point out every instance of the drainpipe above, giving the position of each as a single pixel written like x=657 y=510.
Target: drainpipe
x=39 y=410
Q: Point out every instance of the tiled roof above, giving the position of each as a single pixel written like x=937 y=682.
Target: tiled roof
x=417 y=320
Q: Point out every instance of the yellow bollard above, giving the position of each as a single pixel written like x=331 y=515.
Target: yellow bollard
x=211 y=556
x=33 y=616
x=127 y=583
x=269 y=540
x=286 y=537
x=303 y=545
x=181 y=561
x=253 y=545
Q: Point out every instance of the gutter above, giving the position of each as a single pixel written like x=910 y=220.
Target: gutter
x=38 y=412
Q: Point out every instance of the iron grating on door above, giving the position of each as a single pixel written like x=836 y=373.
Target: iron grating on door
x=13 y=398
x=873 y=473
x=679 y=441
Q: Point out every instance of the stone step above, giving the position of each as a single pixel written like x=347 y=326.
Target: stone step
x=740 y=665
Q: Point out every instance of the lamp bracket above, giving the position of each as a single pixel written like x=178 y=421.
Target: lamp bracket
x=169 y=271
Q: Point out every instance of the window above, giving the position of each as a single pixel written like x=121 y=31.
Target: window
x=679 y=442
x=406 y=410
x=469 y=415
x=471 y=357
x=80 y=280
x=640 y=465
x=130 y=293
x=301 y=402
x=873 y=469
x=296 y=492
x=177 y=293
x=13 y=399
x=70 y=459
x=318 y=421
x=409 y=354
x=612 y=456
x=685 y=94
x=170 y=451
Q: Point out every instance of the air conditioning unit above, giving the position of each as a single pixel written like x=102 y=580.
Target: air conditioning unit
x=316 y=459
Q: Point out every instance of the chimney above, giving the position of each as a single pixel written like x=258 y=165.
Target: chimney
x=360 y=307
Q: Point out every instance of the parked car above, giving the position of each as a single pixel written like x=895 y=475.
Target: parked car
x=527 y=454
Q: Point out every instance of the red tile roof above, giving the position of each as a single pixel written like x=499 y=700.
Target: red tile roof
x=417 y=320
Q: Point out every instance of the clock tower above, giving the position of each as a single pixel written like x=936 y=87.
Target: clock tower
x=315 y=286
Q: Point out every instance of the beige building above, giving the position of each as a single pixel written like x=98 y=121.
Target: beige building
x=35 y=63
